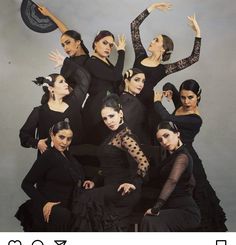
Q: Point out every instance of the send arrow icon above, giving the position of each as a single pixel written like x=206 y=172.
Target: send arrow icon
x=60 y=242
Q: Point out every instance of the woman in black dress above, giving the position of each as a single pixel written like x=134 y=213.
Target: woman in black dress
x=123 y=167
x=187 y=118
x=105 y=78
x=160 y=48
x=175 y=209
x=50 y=184
x=57 y=103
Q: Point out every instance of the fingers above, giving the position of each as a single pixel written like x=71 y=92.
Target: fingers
x=127 y=188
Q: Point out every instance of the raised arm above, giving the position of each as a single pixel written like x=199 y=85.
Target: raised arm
x=179 y=166
x=135 y=33
x=171 y=92
x=43 y=10
x=194 y=57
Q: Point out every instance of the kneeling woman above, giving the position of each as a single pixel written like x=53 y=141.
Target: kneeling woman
x=50 y=184
x=123 y=167
x=175 y=209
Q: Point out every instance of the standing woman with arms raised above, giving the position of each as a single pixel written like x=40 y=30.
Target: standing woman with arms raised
x=160 y=50
x=105 y=78
x=188 y=120
x=57 y=103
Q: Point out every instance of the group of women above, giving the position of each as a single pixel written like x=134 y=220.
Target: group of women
x=119 y=120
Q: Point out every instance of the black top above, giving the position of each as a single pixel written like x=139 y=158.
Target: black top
x=104 y=78
x=188 y=125
x=134 y=115
x=70 y=64
x=55 y=177
x=121 y=158
x=155 y=74
x=176 y=177
x=42 y=118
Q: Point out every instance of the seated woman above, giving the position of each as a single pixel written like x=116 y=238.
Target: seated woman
x=50 y=184
x=123 y=167
x=175 y=209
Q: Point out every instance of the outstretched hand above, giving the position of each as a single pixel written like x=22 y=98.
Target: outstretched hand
x=56 y=57
x=121 y=43
x=43 y=10
x=194 y=25
x=159 y=6
x=126 y=188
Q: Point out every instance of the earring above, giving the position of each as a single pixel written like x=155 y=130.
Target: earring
x=52 y=144
x=53 y=95
x=121 y=120
x=178 y=143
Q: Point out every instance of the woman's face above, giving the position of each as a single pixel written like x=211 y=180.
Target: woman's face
x=156 y=45
x=104 y=46
x=188 y=99
x=112 y=118
x=62 y=139
x=60 y=88
x=135 y=84
x=70 y=45
x=168 y=139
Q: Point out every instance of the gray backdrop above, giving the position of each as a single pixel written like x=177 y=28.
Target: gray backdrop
x=24 y=56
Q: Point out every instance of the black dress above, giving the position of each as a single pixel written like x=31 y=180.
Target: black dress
x=134 y=115
x=42 y=118
x=154 y=75
x=103 y=208
x=56 y=177
x=105 y=78
x=177 y=209
x=213 y=216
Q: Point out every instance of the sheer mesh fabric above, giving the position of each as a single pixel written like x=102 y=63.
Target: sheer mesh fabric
x=125 y=140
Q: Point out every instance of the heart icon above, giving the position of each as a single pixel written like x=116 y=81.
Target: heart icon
x=14 y=242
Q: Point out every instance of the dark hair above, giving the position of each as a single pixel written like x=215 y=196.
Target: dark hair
x=44 y=82
x=193 y=86
x=77 y=37
x=167 y=125
x=113 y=101
x=101 y=35
x=60 y=126
x=128 y=75
x=168 y=46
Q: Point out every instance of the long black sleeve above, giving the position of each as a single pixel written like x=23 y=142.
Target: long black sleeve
x=179 y=166
x=175 y=95
x=28 y=137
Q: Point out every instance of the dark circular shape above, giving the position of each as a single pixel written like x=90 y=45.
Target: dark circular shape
x=34 y=19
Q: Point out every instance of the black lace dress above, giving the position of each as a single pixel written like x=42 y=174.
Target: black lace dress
x=52 y=178
x=103 y=208
x=177 y=209
x=154 y=75
x=213 y=216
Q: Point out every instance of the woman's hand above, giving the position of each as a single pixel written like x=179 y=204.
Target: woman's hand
x=168 y=94
x=127 y=188
x=194 y=25
x=43 y=10
x=121 y=43
x=88 y=184
x=42 y=146
x=159 y=6
x=158 y=95
x=149 y=212
x=47 y=209
x=56 y=57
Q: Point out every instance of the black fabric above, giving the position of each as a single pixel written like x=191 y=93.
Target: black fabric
x=34 y=19
x=213 y=216
x=105 y=78
x=52 y=178
x=103 y=208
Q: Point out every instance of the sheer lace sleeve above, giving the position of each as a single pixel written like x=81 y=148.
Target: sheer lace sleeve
x=184 y=63
x=130 y=144
x=179 y=166
x=135 y=34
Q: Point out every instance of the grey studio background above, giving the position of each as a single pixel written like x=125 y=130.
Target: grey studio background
x=24 y=56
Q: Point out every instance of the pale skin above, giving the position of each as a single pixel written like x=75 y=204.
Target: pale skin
x=62 y=141
x=156 y=54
